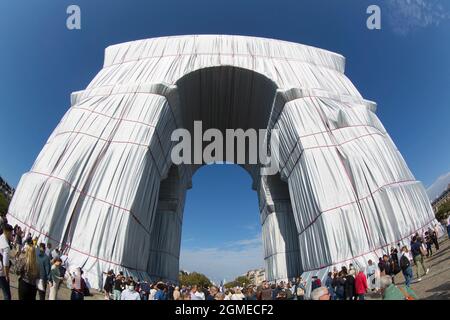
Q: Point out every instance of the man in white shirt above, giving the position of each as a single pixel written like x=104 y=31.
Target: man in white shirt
x=5 y=238
x=129 y=293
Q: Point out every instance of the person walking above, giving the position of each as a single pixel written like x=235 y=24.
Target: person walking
x=429 y=244
x=405 y=265
x=44 y=271
x=5 y=239
x=417 y=253
x=28 y=271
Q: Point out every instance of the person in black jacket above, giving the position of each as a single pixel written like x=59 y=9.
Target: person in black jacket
x=349 y=286
x=109 y=284
x=339 y=283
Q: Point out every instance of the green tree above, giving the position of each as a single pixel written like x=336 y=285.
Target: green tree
x=443 y=211
x=194 y=278
x=240 y=281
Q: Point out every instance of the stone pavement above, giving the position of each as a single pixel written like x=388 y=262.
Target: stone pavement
x=436 y=284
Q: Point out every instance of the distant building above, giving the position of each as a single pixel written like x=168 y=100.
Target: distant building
x=441 y=200
x=256 y=276
x=6 y=189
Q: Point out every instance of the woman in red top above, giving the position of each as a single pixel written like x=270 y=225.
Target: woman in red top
x=360 y=285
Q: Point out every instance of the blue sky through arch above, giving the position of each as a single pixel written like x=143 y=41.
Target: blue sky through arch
x=221 y=228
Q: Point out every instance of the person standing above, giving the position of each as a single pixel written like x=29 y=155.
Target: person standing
x=329 y=285
x=266 y=292
x=300 y=289
x=55 y=279
x=78 y=286
x=44 y=271
x=361 y=285
x=161 y=293
x=118 y=286
x=28 y=271
x=417 y=253
x=144 y=290
x=5 y=248
x=316 y=283
x=213 y=290
x=130 y=293
x=176 y=293
x=349 y=285
x=339 y=284
x=371 y=275
x=434 y=238
x=448 y=226
x=153 y=291
x=109 y=284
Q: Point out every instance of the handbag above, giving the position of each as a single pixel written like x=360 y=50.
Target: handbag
x=40 y=285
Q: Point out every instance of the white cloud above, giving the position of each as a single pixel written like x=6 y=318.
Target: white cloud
x=229 y=261
x=407 y=15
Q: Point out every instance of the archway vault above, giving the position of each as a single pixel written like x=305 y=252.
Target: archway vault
x=105 y=189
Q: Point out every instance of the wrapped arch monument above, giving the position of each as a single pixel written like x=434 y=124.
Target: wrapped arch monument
x=105 y=190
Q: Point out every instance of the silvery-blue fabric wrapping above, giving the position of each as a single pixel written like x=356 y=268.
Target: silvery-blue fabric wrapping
x=104 y=187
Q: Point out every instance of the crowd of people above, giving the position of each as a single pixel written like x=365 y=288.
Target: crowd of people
x=353 y=284
x=41 y=269
x=120 y=287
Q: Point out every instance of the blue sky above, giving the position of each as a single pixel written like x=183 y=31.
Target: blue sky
x=405 y=67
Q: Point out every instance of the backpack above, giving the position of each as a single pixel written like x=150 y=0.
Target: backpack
x=415 y=249
x=404 y=263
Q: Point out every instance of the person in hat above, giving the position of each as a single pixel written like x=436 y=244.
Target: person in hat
x=316 y=283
